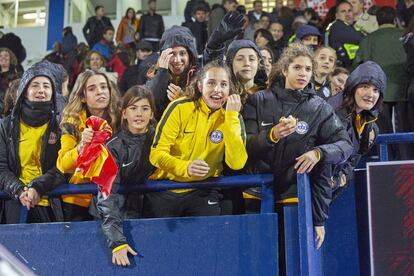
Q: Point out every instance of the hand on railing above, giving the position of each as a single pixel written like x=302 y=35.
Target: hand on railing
x=319 y=236
x=306 y=161
x=29 y=198
x=120 y=257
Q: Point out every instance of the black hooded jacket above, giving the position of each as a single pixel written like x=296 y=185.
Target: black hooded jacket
x=131 y=154
x=10 y=169
x=173 y=37
x=318 y=128
x=367 y=73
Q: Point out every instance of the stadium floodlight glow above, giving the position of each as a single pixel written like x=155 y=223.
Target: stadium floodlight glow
x=33 y=15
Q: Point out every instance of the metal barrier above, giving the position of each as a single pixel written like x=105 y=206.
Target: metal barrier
x=385 y=139
x=244 y=181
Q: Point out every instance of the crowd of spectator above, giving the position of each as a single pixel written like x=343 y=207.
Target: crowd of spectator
x=229 y=92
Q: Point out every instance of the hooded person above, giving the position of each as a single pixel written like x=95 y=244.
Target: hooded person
x=175 y=68
x=29 y=145
x=363 y=96
x=309 y=35
x=243 y=54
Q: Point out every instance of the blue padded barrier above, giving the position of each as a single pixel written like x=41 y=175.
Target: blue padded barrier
x=224 y=245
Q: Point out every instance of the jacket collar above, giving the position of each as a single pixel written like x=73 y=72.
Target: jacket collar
x=207 y=110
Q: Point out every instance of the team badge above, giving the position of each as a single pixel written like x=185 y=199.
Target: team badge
x=52 y=138
x=216 y=136
x=302 y=127
x=326 y=92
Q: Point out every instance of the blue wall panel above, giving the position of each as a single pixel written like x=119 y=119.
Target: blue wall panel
x=55 y=22
x=227 y=245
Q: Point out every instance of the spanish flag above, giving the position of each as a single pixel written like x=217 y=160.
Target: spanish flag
x=95 y=161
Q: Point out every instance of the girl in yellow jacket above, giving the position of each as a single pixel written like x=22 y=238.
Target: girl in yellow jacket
x=195 y=135
x=93 y=95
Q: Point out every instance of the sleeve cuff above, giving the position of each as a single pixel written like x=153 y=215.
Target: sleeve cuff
x=318 y=153
x=272 y=139
x=116 y=249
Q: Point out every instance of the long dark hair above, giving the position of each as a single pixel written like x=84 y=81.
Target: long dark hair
x=133 y=95
x=349 y=103
x=126 y=14
x=194 y=93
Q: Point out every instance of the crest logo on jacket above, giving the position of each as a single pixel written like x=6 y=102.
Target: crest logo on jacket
x=216 y=136
x=52 y=138
x=302 y=128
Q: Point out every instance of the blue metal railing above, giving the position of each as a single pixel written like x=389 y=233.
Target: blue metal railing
x=265 y=181
x=394 y=138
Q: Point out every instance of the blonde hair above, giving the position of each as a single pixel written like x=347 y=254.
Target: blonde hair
x=76 y=105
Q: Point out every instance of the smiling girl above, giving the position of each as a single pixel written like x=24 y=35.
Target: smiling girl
x=308 y=145
x=130 y=149
x=193 y=139
x=94 y=96
x=364 y=94
x=325 y=58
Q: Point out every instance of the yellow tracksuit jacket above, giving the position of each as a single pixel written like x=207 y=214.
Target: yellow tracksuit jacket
x=66 y=162
x=187 y=132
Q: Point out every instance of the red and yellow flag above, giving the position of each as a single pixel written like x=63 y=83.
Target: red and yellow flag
x=95 y=161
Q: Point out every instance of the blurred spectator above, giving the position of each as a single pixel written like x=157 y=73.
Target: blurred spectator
x=248 y=29
x=257 y=12
x=14 y=43
x=408 y=11
x=132 y=73
x=151 y=26
x=408 y=40
x=95 y=26
x=69 y=40
x=392 y=59
x=8 y=72
x=95 y=61
x=313 y=18
x=218 y=12
x=309 y=35
x=199 y=27
x=342 y=36
x=106 y=45
x=264 y=39
x=329 y=18
x=264 y=21
x=189 y=9
x=276 y=29
x=127 y=29
x=337 y=80
x=10 y=97
x=363 y=21
x=268 y=59
x=296 y=24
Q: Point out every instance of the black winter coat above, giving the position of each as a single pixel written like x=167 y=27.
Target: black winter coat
x=93 y=29
x=151 y=26
x=10 y=168
x=318 y=127
x=361 y=144
x=131 y=154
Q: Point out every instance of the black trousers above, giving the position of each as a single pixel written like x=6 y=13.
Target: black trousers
x=73 y=212
x=203 y=202
x=11 y=209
